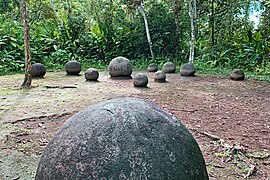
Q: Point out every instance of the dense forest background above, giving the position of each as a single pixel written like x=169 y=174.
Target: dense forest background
x=95 y=31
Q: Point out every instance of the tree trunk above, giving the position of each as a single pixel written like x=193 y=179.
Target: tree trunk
x=142 y=11
x=212 y=22
x=192 y=15
x=266 y=23
x=28 y=78
x=176 y=11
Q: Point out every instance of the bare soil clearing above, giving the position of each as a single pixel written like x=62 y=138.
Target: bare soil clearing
x=229 y=119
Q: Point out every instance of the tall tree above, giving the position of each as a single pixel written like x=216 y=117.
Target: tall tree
x=25 y=16
x=212 y=22
x=266 y=21
x=176 y=11
x=138 y=5
x=193 y=16
x=141 y=9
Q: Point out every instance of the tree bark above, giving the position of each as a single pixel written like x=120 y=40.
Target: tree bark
x=28 y=78
x=266 y=23
x=176 y=11
x=192 y=15
x=212 y=23
x=142 y=11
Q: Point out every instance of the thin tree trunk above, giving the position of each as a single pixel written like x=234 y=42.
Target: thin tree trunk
x=266 y=23
x=212 y=23
x=195 y=17
x=177 y=27
x=28 y=78
x=178 y=47
x=192 y=15
x=142 y=11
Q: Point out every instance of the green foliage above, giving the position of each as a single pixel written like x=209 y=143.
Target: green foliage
x=247 y=50
x=11 y=44
x=8 y=6
x=163 y=31
x=208 y=68
x=237 y=44
x=95 y=31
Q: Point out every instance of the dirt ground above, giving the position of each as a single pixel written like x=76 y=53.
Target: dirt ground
x=229 y=119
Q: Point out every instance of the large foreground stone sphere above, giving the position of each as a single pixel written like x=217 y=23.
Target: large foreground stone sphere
x=187 y=70
x=140 y=80
x=91 y=74
x=38 y=70
x=237 y=75
x=152 y=67
x=169 y=67
x=120 y=66
x=125 y=138
x=160 y=76
x=73 y=68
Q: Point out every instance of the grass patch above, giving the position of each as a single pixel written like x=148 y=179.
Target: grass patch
x=8 y=91
x=203 y=68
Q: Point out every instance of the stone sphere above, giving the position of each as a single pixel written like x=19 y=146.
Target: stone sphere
x=152 y=67
x=140 y=80
x=120 y=66
x=38 y=70
x=125 y=138
x=160 y=76
x=73 y=68
x=91 y=74
x=187 y=70
x=169 y=67
x=237 y=75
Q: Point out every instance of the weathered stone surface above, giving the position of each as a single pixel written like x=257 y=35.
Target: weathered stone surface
x=140 y=80
x=120 y=66
x=91 y=74
x=73 y=68
x=187 y=70
x=125 y=138
x=169 y=67
x=237 y=75
x=38 y=70
x=160 y=76
x=152 y=67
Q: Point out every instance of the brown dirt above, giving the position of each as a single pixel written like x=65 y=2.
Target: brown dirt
x=229 y=119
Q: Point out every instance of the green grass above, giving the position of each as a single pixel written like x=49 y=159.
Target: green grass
x=263 y=75
x=8 y=91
